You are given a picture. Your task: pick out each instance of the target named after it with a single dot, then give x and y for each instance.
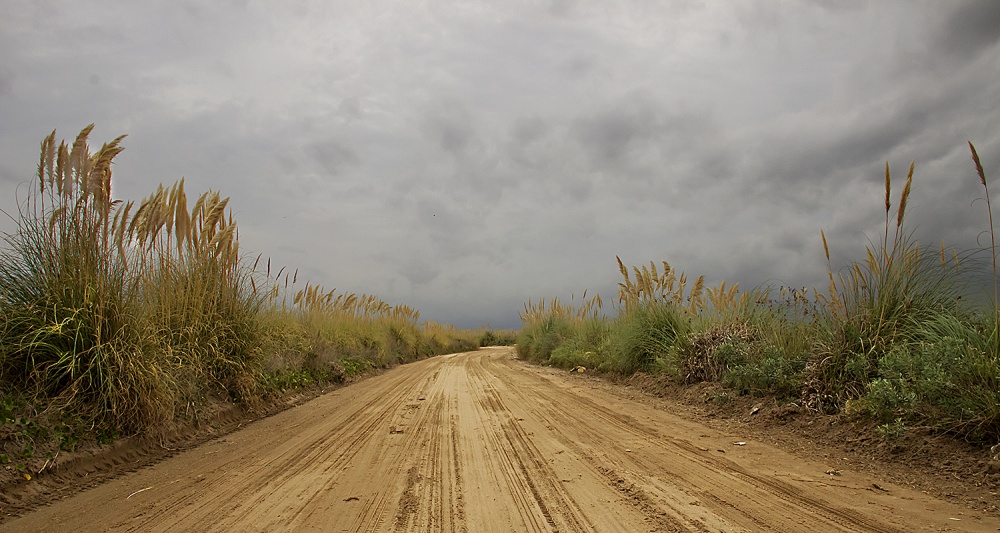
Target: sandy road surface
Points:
(482, 442)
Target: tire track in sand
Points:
(483, 443)
(684, 476)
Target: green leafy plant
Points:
(898, 336)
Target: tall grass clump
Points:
(902, 343)
(585, 346)
(317, 335)
(653, 311)
(901, 298)
(122, 317)
(494, 337)
(898, 335)
(546, 326)
(68, 284)
(199, 302)
(745, 339)
(777, 329)
(119, 311)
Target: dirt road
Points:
(482, 442)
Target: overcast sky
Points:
(463, 157)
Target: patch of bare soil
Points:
(92, 464)
(483, 442)
(917, 457)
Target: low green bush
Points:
(899, 337)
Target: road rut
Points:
(481, 442)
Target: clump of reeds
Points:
(330, 334)
(895, 336)
(666, 287)
(199, 301)
(496, 337)
(993, 245)
(125, 316)
(67, 289)
(545, 325)
(123, 311)
(891, 297)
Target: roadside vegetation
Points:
(897, 336)
(497, 337)
(121, 318)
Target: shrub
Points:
(536, 343)
(708, 355)
(492, 337)
(898, 336)
(69, 285)
(947, 383)
(893, 298)
(773, 373)
(643, 334)
(587, 347)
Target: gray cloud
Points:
(350, 107)
(332, 156)
(612, 135)
(449, 123)
(526, 130)
(463, 158)
(6, 81)
(419, 271)
(971, 28)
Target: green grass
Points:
(897, 336)
(126, 317)
(493, 337)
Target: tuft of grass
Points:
(644, 333)
(899, 295)
(897, 336)
(68, 289)
(548, 325)
(123, 317)
(492, 337)
(587, 346)
(981, 174)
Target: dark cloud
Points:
(634, 123)
(332, 156)
(830, 147)
(6, 81)
(561, 8)
(463, 159)
(450, 125)
(842, 5)
(970, 28)
(419, 271)
(578, 66)
(526, 130)
(8, 177)
(610, 136)
(577, 189)
(350, 107)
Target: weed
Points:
(772, 374)
(120, 316)
(719, 397)
(491, 337)
(894, 430)
(897, 335)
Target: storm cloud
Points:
(463, 157)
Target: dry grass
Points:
(665, 287)
(895, 333)
(126, 316)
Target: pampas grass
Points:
(893, 326)
(130, 315)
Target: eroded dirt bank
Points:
(482, 442)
